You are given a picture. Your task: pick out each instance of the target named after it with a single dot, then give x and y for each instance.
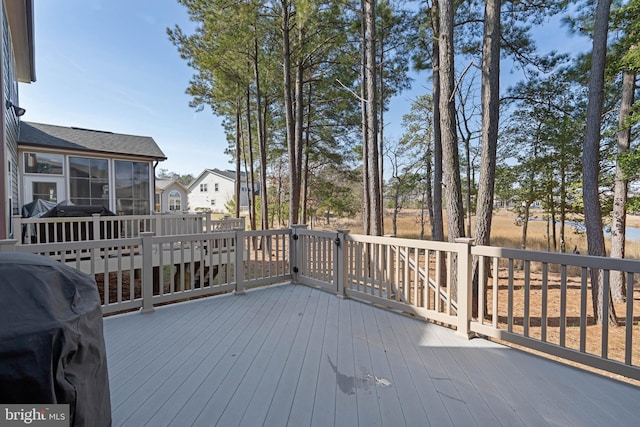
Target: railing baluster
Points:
(118, 254)
(450, 283)
(481, 289)
(628, 324)
(427, 274)
(510, 298)
(583, 310)
(563, 305)
(605, 314)
(544, 302)
(416, 277)
(437, 300)
(358, 261)
(406, 283)
(527, 302)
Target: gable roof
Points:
(87, 140)
(164, 184)
(227, 174)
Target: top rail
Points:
(96, 227)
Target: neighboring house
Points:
(171, 196)
(88, 167)
(17, 65)
(213, 189)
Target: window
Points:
(203, 188)
(45, 191)
(213, 202)
(175, 201)
(132, 188)
(216, 187)
(44, 163)
(89, 181)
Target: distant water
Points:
(632, 233)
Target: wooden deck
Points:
(293, 355)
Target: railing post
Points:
(295, 251)
(159, 225)
(464, 279)
(95, 219)
(207, 222)
(147, 272)
(239, 261)
(8, 245)
(16, 226)
(340, 263)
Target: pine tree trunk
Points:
(490, 116)
(262, 142)
(437, 221)
(372, 120)
(450, 155)
(294, 185)
(251, 196)
(299, 126)
(238, 155)
(591, 161)
(619, 214)
(366, 203)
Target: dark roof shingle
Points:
(71, 138)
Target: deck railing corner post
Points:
(147, 272)
(464, 284)
(16, 226)
(8, 245)
(341, 263)
(295, 255)
(239, 261)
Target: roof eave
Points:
(20, 18)
(22, 144)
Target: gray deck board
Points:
(344, 370)
(324, 403)
(293, 355)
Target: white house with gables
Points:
(171, 196)
(214, 188)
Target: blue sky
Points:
(109, 65)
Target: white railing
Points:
(96, 227)
(554, 311)
(529, 306)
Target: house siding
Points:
(164, 198)
(11, 122)
(211, 199)
(217, 201)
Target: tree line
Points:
(304, 86)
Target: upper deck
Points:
(294, 355)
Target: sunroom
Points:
(87, 167)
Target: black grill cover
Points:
(51, 341)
